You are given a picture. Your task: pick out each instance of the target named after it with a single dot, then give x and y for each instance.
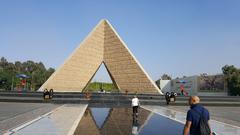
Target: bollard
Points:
(170, 97)
(50, 93)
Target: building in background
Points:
(203, 85)
(164, 85)
(189, 85)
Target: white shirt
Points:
(134, 130)
(135, 102)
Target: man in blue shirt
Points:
(193, 116)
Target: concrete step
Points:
(115, 101)
(116, 96)
(23, 99)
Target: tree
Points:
(3, 62)
(49, 72)
(18, 66)
(166, 77)
(232, 77)
(5, 80)
(36, 71)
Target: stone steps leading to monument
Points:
(116, 100)
(116, 96)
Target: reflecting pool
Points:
(119, 121)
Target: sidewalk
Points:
(219, 127)
(61, 121)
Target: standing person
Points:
(135, 105)
(182, 89)
(197, 119)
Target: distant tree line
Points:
(232, 77)
(36, 72)
(166, 77)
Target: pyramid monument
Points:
(102, 45)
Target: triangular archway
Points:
(102, 45)
(101, 78)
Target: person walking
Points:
(135, 105)
(197, 121)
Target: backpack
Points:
(204, 128)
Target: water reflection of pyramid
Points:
(100, 115)
(102, 45)
(118, 122)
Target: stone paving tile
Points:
(220, 128)
(229, 115)
(61, 121)
(14, 114)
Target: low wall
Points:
(212, 93)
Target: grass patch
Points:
(96, 86)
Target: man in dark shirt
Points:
(193, 116)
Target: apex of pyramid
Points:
(104, 20)
(103, 23)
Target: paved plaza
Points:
(61, 121)
(68, 119)
(229, 115)
(14, 114)
(219, 127)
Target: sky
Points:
(177, 37)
